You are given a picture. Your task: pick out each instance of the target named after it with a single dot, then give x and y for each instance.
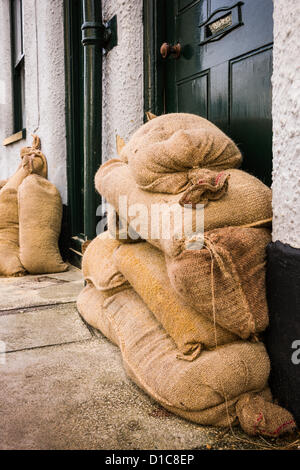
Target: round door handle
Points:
(166, 50)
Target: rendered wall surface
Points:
(286, 119)
(45, 82)
(123, 102)
(44, 87)
(6, 118)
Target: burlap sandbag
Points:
(247, 201)
(145, 269)
(167, 151)
(33, 158)
(258, 416)
(40, 215)
(10, 264)
(33, 161)
(98, 267)
(205, 390)
(2, 183)
(225, 280)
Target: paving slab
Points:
(47, 289)
(42, 327)
(77, 396)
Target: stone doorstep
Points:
(42, 326)
(30, 291)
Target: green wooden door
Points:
(224, 71)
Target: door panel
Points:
(184, 3)
(224, 71)
(187, 33)
(192, 95)
(250, 119)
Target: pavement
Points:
(62, 384)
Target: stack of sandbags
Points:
(186, 308)
(221, 272)
(221, 386)
(30, 218)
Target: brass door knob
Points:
(166, 50)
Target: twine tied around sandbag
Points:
(212, 252)
(205, 185)
(222, 256)
(29, 154)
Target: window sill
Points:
(14, 138)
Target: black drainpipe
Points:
(92, 40)
(95, 37)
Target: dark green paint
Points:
(18, 64)
(93, 33)
(154, 67)
(74, 124)
(85, 38)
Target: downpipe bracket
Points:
(104, 35)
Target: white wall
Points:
(123, 102)
(44, 87)
(286, 122)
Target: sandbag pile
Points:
(30, 218)
(186, 310)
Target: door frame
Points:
(154, 19)
(74, 143)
